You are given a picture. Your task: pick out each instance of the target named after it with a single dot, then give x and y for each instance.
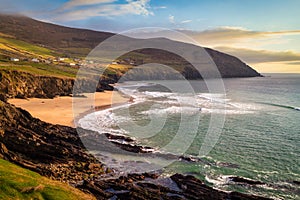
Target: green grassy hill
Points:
(19, 183)
(11, 47)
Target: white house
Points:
(35, 60)
(15, 59)
(72, 64)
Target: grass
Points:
(11, 47)
(19, 183)
(23, 48)
(41, 69)
(78, 52)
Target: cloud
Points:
(76, 3)
(171, 19)
(159, 7)
(253, 47)
(79, 10)
(236, 35)
(261, 56)
(226, 32)
(276, 67)
(293, 63)
(178, 23)
(186, 21)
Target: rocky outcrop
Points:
(18, 84)
(24, 85)
(144, 187)
(193, 188)
(51, 150)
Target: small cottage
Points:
(15, 59)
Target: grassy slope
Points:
(19, 183)
(12, 47)
(41, 69)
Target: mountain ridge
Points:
(73, 42)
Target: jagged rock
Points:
(3, 97)
(242, 180)
(51, 150)
(195, 189)
(118, 137)
(95, 190)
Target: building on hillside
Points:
(72, 64)
(35, 60)
(15, 59)
(115, 63)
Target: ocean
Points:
(250, 131)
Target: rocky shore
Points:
(57, 152)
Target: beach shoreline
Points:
(59, 110)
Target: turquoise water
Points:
(260, 138)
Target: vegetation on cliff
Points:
(19, 183)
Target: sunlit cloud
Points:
(75, 3)
(238, 36)
(79, 10)
(294, 63)
(254, 47)
(276, 67)
(260, 56)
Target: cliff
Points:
(25, 85)
(18, 84)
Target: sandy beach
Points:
(60, 109)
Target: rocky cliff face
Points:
(24, 85)
(51, 150)
(18, 84)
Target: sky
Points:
(265, 34)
